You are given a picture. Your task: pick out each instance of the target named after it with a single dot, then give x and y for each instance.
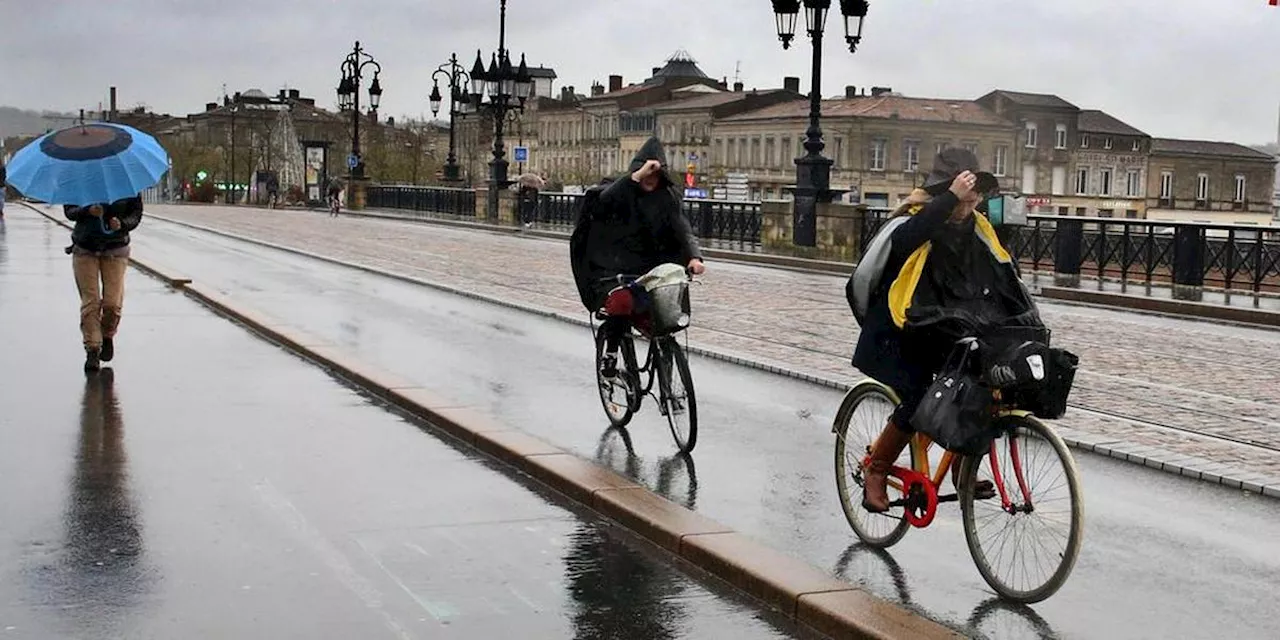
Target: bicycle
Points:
(915, 491)
(623, 395)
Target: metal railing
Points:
(719, 223)
(445, 200)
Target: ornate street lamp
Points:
(506, 88)
(813, 171)
(459, 99)
(349, 98)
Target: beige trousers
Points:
(100, 280)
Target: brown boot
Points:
(875, 490)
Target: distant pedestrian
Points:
(99, 257)
(273, 191)
(3, 187)
(335, 197)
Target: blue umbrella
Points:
(88, 164)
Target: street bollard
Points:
(1068, 253)
(1188, 263)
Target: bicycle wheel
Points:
(675, 389)
(616, 394)
(1024, 551)
(862, 416)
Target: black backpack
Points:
(587, 211)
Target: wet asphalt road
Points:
(1163, 556)
(208, 484)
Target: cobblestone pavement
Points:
(1187, 390)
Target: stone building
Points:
(882, 145)
(1108, 170)
(1211, 182)
(1048, 133)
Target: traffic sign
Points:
(352, 161)
(521, 154)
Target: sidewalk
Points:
(1194, 397)
(208, 484)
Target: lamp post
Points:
(515, 120)
(349, 98)
(458, 79)
(507, 88)
(813, 171)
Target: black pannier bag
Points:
(956, 409)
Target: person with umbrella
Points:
(97, 172)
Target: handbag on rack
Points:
(956, 409)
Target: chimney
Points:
(615, 83)
(112, 117)
(656, 70)
(295, 94)
(850, 91)
(791, 83)
(597, 89)
(876, 92)
(210, 106)
(283, 93)
(737, 87)
(723, 84)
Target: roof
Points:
(1039, 100)
(680, 65)
(705, 101)
(542, 72)
(1095, 121)
(904, 108)
(1207, 148)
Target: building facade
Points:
(1210, 182)
(1108, 170)
(882, 145)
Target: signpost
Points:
(521, 154)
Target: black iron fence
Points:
(445, 200)
(1130, 252)
(724, 224)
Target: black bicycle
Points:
(664, 361)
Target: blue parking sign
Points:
(521, 154)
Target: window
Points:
(1084, 141)
(877, 155)
(1240, 185)
(1137, 145)
(731, 158)
(1133, 184)
(1082, 181)
(999, 167)
(756, 157)
(971, 147)
(744, 153)
(1104, 182)
(1131, 214)
(1106, 143)
(1059, 187)
(1166, 185)
(771, 152)
(838, 157)
(1202, 187)
(942, 146)
(784, 149)
(1028, 178)
(911, 156)
(1060, 140)
(1106, 213)
(1032, 135)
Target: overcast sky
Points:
(1174, 68)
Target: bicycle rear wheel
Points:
(616, 395)
(862, 416)
(1026, 549)
(675, 389)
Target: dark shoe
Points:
(982, 489)
(875, 479)
(108, 350)
(92, 361)
(609, 367)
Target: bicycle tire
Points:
(623, 417)
(969, 471)
(680, 363)
(851, 501)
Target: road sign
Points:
(352, 161)
(521, 154)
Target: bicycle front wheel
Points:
(1026, 539)
(676, 394)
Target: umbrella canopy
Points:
(88, 164)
